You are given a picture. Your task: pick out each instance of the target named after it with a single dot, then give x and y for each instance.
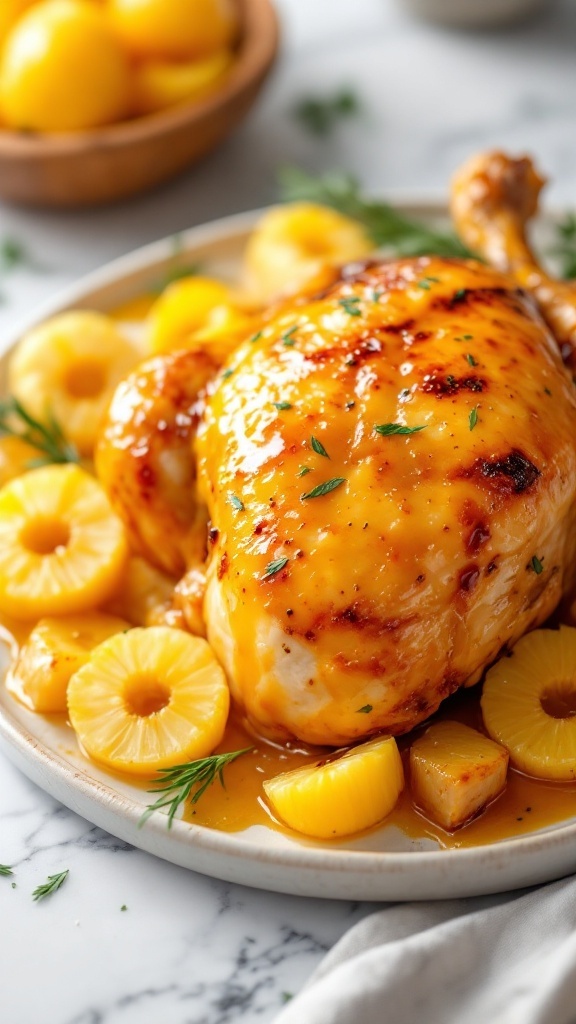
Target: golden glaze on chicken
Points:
(437, 548)
(145, 461)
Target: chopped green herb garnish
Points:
(188, 781)
(365, 710)
(286, 996)
(236, 502)
(282, 406)
(321, 489)
(226, 374)
(256, 337)
(123, 907)
(288, 336)
(470, 359)
(320, 116)
(376, 295)
(460, 295)
(427, 281)
(387, 227)
(273, 567)
(473, 418)
(350, 305)
(46, 437)
(318, 447)
(389, 429)
(53, 883)
(536, 565)
(468, 337)
(5, 870)
(303, 471)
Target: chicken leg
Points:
(493, 198)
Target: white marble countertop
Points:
(189, 950)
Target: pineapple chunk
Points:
(69, 366)
(182, 309)
(292, 244)
(55, 649)
(143, 591)
(149, 699)
(529, 703)
(346, 793)
(62, 549)
(455, 772)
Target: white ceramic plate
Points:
(385, 865)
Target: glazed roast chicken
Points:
(389, 472)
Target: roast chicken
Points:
(388, 475)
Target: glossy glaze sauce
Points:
(525, 805)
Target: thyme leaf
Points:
(318, 447)
(536, 565)
(236, 502)
(473, 418)
(389, 429)
(273, 567)
(321, 489)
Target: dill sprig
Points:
(387, 227)
(16, 421)
(188, 781)
(53, 883)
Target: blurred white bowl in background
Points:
(474, 13)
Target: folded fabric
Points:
(508, 959)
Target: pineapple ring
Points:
(68, 367)
(529, 703)
(342, 795)
(294, 243)
(62, 549)
(54, 651)
(149, 699)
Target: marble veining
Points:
(188, 949)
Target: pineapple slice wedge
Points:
(343, 794)
(529, 703)
(455, 772)
(54, 651)
(149, 699)
(62, 549)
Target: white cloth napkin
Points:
(507, 959)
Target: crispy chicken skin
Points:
(439, 547)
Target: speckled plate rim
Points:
(302, 868)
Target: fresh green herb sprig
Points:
(47, 438)
(188, 781)
(324, 488)
(536, 565)
(5, 870)
(564, 248)
(273, 567)
(53, 883)
(387, 227)
(321, 115)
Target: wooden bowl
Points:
(120, 160)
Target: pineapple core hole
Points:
(559, 700)
(85, 379)
(145, 696)
(45, 535)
